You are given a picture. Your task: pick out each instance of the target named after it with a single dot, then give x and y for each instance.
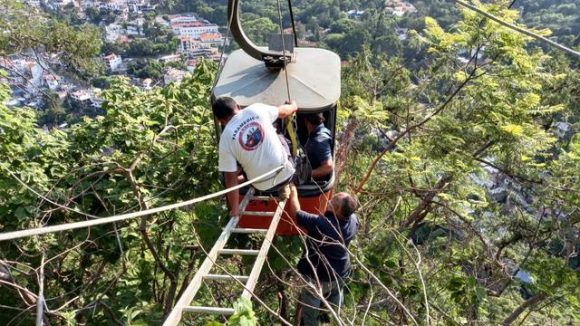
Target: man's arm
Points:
(307, 220)
(323, 170)
(233, 197)
(286, 110)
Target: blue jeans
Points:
(311, 301)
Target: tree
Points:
(26, 29)
(151, 148)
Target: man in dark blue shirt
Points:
(325, 263)
(318, 147)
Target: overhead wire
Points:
(105, 220)
(519, 29)
(291, 11)
(224, 44)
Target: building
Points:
(170, 58)
(24, 73)
(191, 26)
(211, 39)
(355, 14)
(81, 96)
(113, 32)
(51, 81)
(173, 75)
(113, 62)
(399, 7)
(135, 27)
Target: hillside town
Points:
(178, 42)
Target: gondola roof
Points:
(314, 81)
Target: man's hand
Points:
(286, 110)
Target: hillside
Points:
(458, 137)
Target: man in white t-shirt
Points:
(250, 139)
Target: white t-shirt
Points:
(250, 138)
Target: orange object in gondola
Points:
(267, 75)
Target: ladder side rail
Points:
(174, 318)
(257, 269)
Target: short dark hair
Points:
(348, 205)
(314, 118)
(223, 107)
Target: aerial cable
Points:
(224, 44)
(519, 29)
(289, 121)
(293, 22)
(117, 218)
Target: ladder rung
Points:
(258, 213)
(262, 198)
(246, 231)
(223, 277)
(209, 310)
(248, 252)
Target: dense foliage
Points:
(460, 142)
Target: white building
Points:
(113, 62)
(191, 26)
(355, 14)
(81, 96)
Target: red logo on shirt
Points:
(251, 136)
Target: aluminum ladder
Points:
(183, 304)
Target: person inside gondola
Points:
(318, 147)
(249, 138)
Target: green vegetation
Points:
(26, 29)
(450, 137)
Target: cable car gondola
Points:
(270, 75)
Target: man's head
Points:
(314, 119)
(343, 205)
(224, 108)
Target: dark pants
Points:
(311, 301)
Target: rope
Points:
(519, 29)
(289, 125)
(117, 218)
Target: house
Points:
(113, 62)
(51, 81)
(355, 14)
(81, 96)
(135, 27)
(399, 7)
